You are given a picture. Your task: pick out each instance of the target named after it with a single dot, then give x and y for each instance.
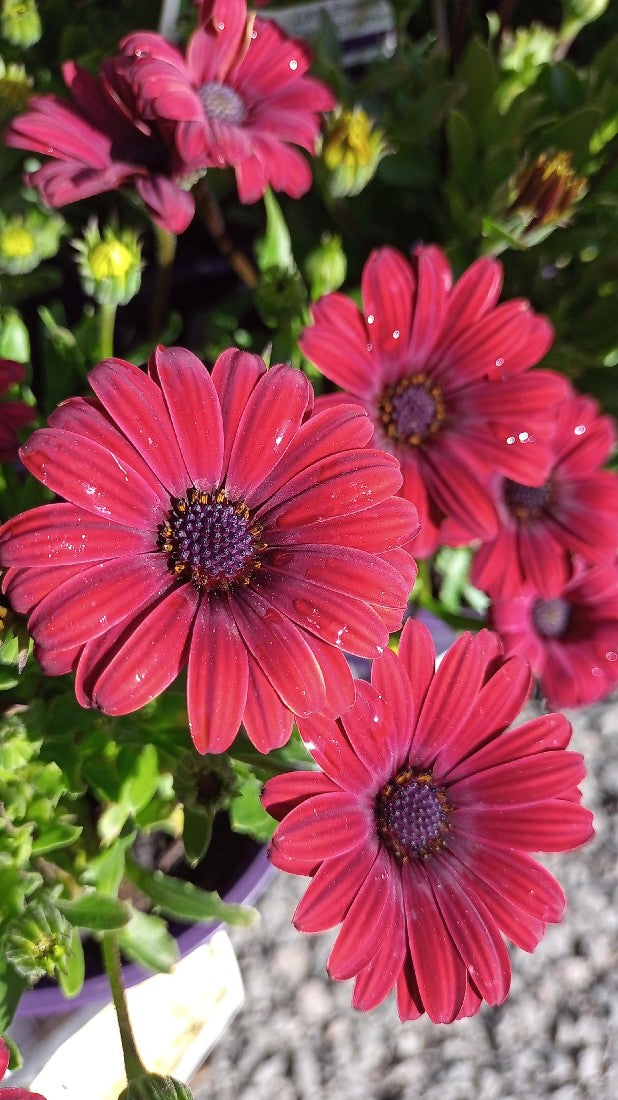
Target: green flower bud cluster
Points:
(27, 238)
(38, 942)
(15, 89)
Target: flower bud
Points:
(351, 151)
(38, 941)
(15, 89)
(153, 1086)
(20, 23)
(110, 266)
(326, 267)
(547, 190)
(28, 238)
(280, 296)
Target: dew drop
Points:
(611, 655)
(596, 671)
(523, 437)
(510, 439)
(293, 65)
(396, 334)
(221, 26)
(580, 429)
(499, 361)
(369, 347)
(370, 318)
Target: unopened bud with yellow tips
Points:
(15, 89)
(352, 148)
(27, 238)
(546, 191)
(20, 22)
(38, 942)
(110, 265)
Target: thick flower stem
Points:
(111, 960)
(210, 213)
(166, 251)
(107, 322)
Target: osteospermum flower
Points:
(100, 143)
(210, 522)
(570, 638)
(575, 511)
(13, 1093)
(238, 97)
(417, 830)
(13, 414)
(442, 371)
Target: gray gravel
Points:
(297, 1038)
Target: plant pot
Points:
(249, 880)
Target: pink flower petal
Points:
(281, 650)
(362, 931)
(235, 375)
(194, 409)
(409, 1001)
(149, 657)
(515, 875)
(217, 657)
(433, 277)
(474, 294)
(57, 662)
(365, 726)
(342, 569)
(529, 779)
(98, 597)
(545, 733)
(439, 970)
(322, 827)
(267, 427)
(390, 679)
(388, 524)
(375, 981)
(136, 404)
(331, 750)
(92, 479)
(24, 588)
(335, 885)
(283, 792)
(338, 343)
(555, 825)
(61, 534)
(389, 290)
(474, 933)
(340, 693)
(267, 720)
(449, 699)
(418, 656)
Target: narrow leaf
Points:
(95, 911)
(185, 901)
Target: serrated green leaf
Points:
(95, 911)
(57, 835)
(105, 870)
(71, 979)
(247, 813)
(12, 985)
(146, 941)
(185, 901)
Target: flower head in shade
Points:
(210, 521)
(13, 414)
(442, 371)
(100, 143)
(417, 830)
(575, 511)
(13, 1093)
(570, 638)
(239, 97)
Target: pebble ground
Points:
(297, 1038)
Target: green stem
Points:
(210, 212)
(166, 251)
(111, 960)
(107, 322)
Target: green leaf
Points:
(15, 1058)
(146, 941)
(95, 911)
(12, 985)
(247, 813)
(196, 833)
(105, 870)
(71, 979)
(185, 901)
(58, 834)
(275, 248)
(462, 148)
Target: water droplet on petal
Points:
(596, 671)
(370, 318)
(611, 655)
(523, 437)
(510, 439)
(221, 26)
(499, 361)
(369, 347)
(396, 334)
(579, 429)
(293, 65)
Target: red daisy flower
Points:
(100, 143)
(575, 511)
(239, 97)
(8, 1093)
(440, 369)
(13, 414)
(417, 830)
(211, 521)
(570, 637)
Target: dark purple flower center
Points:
(222, 102)
(211, 541)
(411, 409)
(412, 815)
(526, 501)
(551, 617)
